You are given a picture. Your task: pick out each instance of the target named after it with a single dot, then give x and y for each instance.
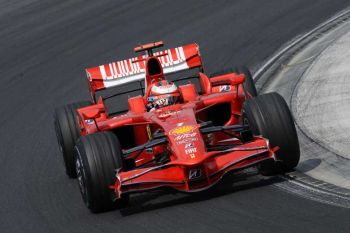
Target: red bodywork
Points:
(191, 165)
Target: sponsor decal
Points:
(167, 114)
(191, 151)
(225, 88)
(189, 145)
(184, 136)
(186, 140)
(89, 121)
(194, 174)
(185, 129)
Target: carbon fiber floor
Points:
(44, 46)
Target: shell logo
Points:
(182, 130)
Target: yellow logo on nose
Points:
(182, 130)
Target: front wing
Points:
(194, 176)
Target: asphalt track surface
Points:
(44, 47)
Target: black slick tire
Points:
(268, 115)
(67, 132)
(98, 158)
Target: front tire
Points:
(98, 157)
(268, 115)
(67, 132)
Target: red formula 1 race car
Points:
(150, 126)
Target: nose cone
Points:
(187, 143)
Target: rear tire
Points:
(67, 132)
(98, 157)
(268, 115)
(248, 85)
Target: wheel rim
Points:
(81, 177)
(78, 168)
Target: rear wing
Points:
(133, 69)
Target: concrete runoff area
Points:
(322, 103)
(316, 82)
(322, 100)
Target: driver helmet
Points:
(163, 93)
